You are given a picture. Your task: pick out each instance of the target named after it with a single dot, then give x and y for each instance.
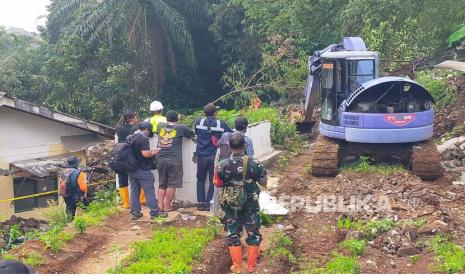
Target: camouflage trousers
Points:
(236, 220)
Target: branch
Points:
(240, 90)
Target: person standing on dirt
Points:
(124, 128)
(239, 176)
(169, 163)
(209, 131)
(142, 178)
(240, 126)
(73, 186)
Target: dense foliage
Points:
(95, 58)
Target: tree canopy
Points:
(95, 58)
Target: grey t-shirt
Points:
(170, 139)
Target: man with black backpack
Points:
(73, 186)
(142, 177)
(238, 176)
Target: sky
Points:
(23, 13)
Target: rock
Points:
(136, 228)
(370, 262)
(339, 178)
(412, 235)
(428, 210)
(439, 224)
(289, 228)
(393, 264)
(280, 227)
(407, 250)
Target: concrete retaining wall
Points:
(260, 133)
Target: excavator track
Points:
(426, 161)
(325, 157)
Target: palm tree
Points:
(153, 27)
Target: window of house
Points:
(24, 186)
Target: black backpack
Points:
(122, 158)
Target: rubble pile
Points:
(97, 162)
(453, 154)
(25, 226)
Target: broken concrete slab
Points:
(270, 206)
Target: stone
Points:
(407, 250)
(136, 228)
(289, 228)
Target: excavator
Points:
(389, 119)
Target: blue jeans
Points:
(205, 164)
(141, 179)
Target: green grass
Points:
(280, 248)
(54, 214)
(55, 238)
(34, 259)
(103, 206)
(449, 257)
(365, 166)
(171, 250)
(415, 258)
(368, 229)
(354, 246)
(338, 264)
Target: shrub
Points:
(80, 224)
(54, 214)
(55, 238)
(356, 247)
(443, 93)
(280, 247)
(449, 257)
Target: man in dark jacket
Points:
(123, 130)
(209, 131)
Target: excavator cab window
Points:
(360, 71)
(328, 92)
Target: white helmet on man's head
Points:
(156, 106)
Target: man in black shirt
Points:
(143, 177)
(123, 130)
(169, 165)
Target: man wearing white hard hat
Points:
(156, 108)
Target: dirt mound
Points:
(419, 209)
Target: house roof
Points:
(9, 101)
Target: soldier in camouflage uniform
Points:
(239, 202)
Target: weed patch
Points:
(34, 259)
(280, 248)
(171, 250)
(55, 238)
(338, 264)
(368, 229)
(355, 247)
(449, 257)
(365, 165)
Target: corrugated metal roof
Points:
(15, 103)
(43, 167)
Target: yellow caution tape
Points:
(50, 192)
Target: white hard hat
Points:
(156, 106)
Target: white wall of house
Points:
(23, 137)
